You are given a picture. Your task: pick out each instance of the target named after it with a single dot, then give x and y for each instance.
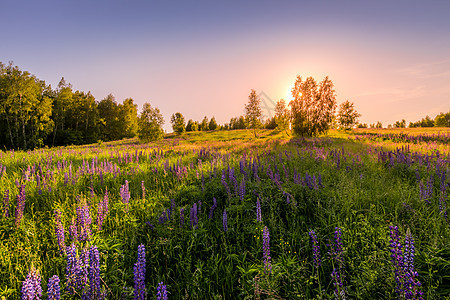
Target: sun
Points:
(288, 95)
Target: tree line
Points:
(32, 114)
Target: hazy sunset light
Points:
(183, 56)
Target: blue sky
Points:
(391, 58)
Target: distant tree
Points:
(313, 106)
(195, 126)
(347, 115)
(253, 112)
(204, 126)
(379, 125)
(241, 123)
(427, 122)
(178, 123)
(150, 124)
(389, 126)
(189, 125)
(270, 123)
(62, 102)
(128, 118)
(282, 116)
(213, 124)
(361, 125)
(442, 120)
(25, 106)
(109, 113)
(400, 124)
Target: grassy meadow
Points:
(223, 215)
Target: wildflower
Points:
(73, 270)
(31, 288)
(411, 283)
(59, 231)
(213, 207)
(161, 291)
(143, 189)
(125, 194)
(266, 251)
(225, 220)
(84, 222)
(94, 274)
(181, 217)
(316, 249)
(102, 210)
(20, 204)
(53, 290)
(73, 232)
(337, 257)
(397, 259)
(193, 217)
(139, 274)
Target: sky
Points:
(202, 58)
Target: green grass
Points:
(363, 197)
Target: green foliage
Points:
(442, 120)
(178, 123)
(204, 126)
(282, 116)
(253, 112)
(150, 124)
(313, 107)
(347, 115)
(425, 122)
(32, 114)
(400, 124)
(192, 125)
(213, 124)
(237, 123)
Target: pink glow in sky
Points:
(391, 58)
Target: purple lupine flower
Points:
(161, 293)
(336, 254)
(125, 194)
(73, 270)
(102, 210)
(59, 231)
(411, 284)
(53, 289)
(139, 274)
(193, 216)
(213, 207)
(181, 217)
(73, 231)
(31, 288)
(20, 205)
(225, 220)
(316, 250)
(266, 251)
(84, 222)
(258, 211)
(94, 274)
(6, 204)
(397, 259)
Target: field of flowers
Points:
(221, 215)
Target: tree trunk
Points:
(9, 130)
